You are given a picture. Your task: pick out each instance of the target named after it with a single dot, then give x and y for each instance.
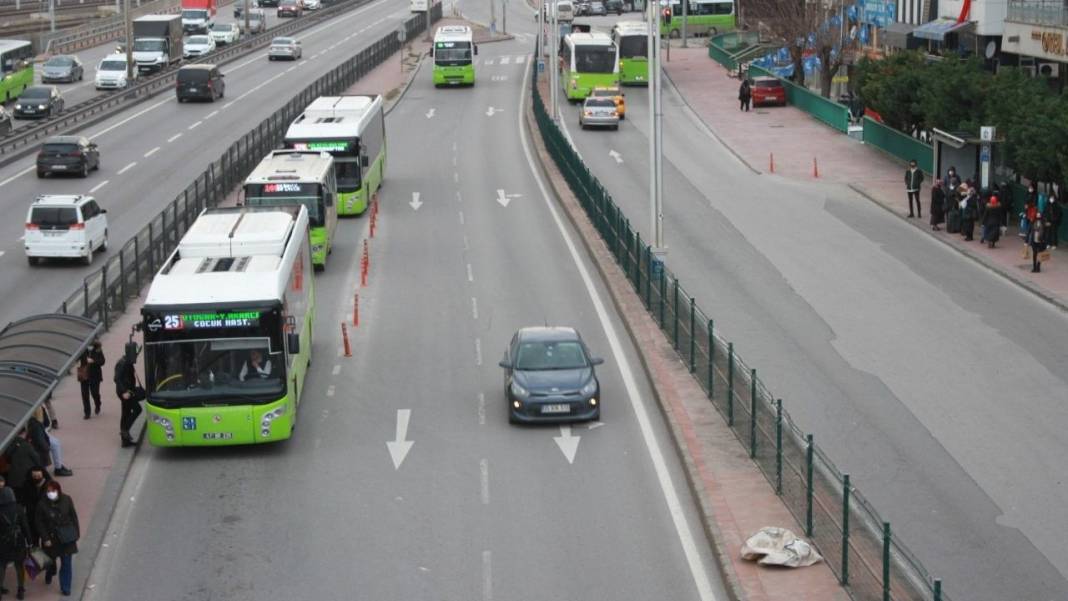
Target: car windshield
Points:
(552, 354)
(113, 65)
(220, 27)
(36, 93)
(197, 40)
(148, 45)
(282, 42)
(217, 368)
(54, 216)
(194, 14)
(60, 61)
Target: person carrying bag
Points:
(57, 521)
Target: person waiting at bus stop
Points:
(129, 392)
(255, 366)
(57, 523)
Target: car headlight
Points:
(18, 106)
(589, 388)
(41, 106)
(518, 390)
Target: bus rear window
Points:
(633, 45)
(595, 60)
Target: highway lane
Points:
(478, 509)
(937, 384)
(150, 154)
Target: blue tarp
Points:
(936, 30)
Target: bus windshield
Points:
(194, 372)
(633, 46)
(288, 193)
(452, 54)
(595, 59)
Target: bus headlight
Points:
(317, 248)
(270, 416)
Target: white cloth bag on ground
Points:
(772, 546)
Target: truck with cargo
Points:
(198, 15)
(157, 42)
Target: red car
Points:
(768, 90)
(289, 8)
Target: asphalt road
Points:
(151, 152)
(477, 509)
(938, 385)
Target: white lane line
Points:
(461, 218)
(173, 138)
(487, 576)
(302, 62)
(638, 404)
(459, 197)
(470, 273)
(211, 114)
(98, 186)
(152, 152)
(483, 471)
(455, 177)
(18, 175)
(505, 60)
(330, 390)
(478, 351)
(195, 125)
(481, 409)
(259, 86)
(466, 247)
(290, 69)
(130, 118)
(474, 307)
(337, 370)
(2, 253)
(126, 168)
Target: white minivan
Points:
(70, 226)
(565, 11)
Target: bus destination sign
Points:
(325, 145)
(197, 321)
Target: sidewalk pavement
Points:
(734, 498)
(797, 139)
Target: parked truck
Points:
(157, 42)
(198, 15)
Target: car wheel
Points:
(32, 261)
(270, 58)
(88, 259)
(104, 245)
(41, 174)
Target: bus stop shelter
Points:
(35, 353)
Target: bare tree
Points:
(804, 24)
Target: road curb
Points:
(979, 260)
(407, 84)
(612, 276)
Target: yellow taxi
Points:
(615, 94)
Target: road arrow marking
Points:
(398, 449)
(492, 111)
(615, 155)
(568, 444)
(430, 114)
(415, 204)
(504, 199)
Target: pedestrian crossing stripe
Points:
(489, 61)
(519, 59)
(505, 59)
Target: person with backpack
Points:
(57, 523)
(129, 392)
(14, 538)
(90, 375)
(20, 459)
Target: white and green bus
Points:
(16, 64)
(227, 329)
(632, 39)
(353, 130)
(299, 177)
(454, 53)
(588, 61)
(704, 17)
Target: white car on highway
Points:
(198, 45)
(65, 226)
(111, 73)
(225, 33)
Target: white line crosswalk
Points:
(504, 60)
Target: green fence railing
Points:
(898, 144)
(726, 47)
(871, 564)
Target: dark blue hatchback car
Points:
(549, 376)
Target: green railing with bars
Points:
(870, 563)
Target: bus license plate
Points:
(218, 435)
(556, 408)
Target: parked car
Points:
(270, 3)
(68, 154)
(225, 33)
(199, 45)
(614, 6)
(582, 8)
(768, 90)
(62, 68)
(111, 73)
(38, 102)
(599, 112)
(200, 82)
(287, 48)
(69, 226)
(616, 95)
(549, 376)
(7, 123)
(239, 7)
(257, 22)
(289, 8)
(597, 9)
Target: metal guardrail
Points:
(858, 545)
(104, 292)
(22, 141)
(102, 30)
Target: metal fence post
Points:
(730, 384)
(104, 295)
(845, 529)
(809, 492)
(663, 295)
(637, 262)
(937, 589)
(693, 334)
(675, 313)
(137, 261)
(778, 447)
(85, 296)
(122, 277)
(886, 561)
(752, 413)
(151, 248)
(711, 363)
(649, 277)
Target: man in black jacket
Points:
(913, 181)
(125, 387)
(90, 366)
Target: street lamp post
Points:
(248, 29)
(656, 167)
(554, 62)
(130, 66)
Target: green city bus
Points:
(227, 329)
(632, 39)
(704, 17)
(588, 61)
(16, 64)
(353, 130)
(453, 51)
(304, 177)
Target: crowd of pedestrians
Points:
(39, 527)
(961, 206)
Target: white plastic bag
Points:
(771, 546)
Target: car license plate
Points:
(218, 436)
(59, 167)
(556, 408)
(192, 90)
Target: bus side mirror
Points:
(476, 50)
(365, 161)
(329, 199)
(293, 342)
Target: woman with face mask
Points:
(57, 524)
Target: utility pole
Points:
(248, 29)
(554, 60)
(430, 7)
(130, 66)
(504, 17)
(685, 18)
(656, 167)
(52, 14)
(493, 17)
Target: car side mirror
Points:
(504, 364)
(293, 342)
(596, 361)
(103, 210)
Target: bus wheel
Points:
(674, 34)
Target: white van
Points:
(65, 226)
(565, 11)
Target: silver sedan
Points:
(288, 48)
(599, 112)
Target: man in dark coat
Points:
(969, 212)
(14, 538)
(32, 492)
(745, 94)
(20, 458)
(125, 385)
(57, 523)
(91, 364)
(913, 181)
